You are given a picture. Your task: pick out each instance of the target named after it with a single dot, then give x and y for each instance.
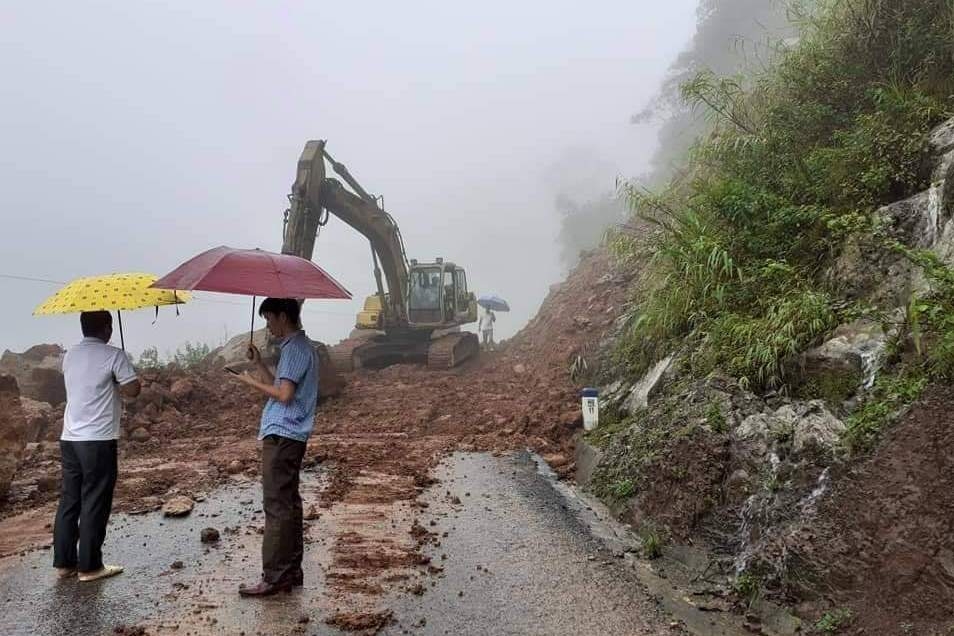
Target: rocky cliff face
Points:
(38, 372)
(13, 431)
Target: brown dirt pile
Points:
(883, 541)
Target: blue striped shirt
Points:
(299, 364)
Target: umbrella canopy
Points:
(493, 302)
(111, 292)
(254, 273)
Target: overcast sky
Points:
(137, 134)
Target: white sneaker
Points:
(103, 573)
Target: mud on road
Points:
(378, 443)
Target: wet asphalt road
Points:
(516, 560)
(519, 561)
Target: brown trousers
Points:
(283, 544)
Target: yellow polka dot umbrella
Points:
(111, 292)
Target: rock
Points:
(817, 428)
(805, 424)
(39, 416)
(235, 466)
(178, 506)
(942, 137)
(519, 369)
(639, 395)
(232, 353)
(140, 435)
(738, 486)
(181, 389)
(209, 535)
(13, 432)
(177, 565)
(849, 360)
(38, 372)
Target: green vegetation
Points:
(149, 359)
(748, 587)
(652, 542)
(799, 158)
(187, 356)
(715, 419)
(891, 393)
(834, 621)
(622, 489)
(611, 425)
(190, 355)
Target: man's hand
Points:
(284, 392)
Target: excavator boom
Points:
(313, 192)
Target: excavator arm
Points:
(314, 195)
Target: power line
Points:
(32, 279)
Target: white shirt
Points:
(93, 372)
(486, 322)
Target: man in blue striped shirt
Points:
(287, 420)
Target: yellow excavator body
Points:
(370, 316)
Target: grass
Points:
(891, 394)
(834, 621)
(652, 542)
(611, 424)
(748, 587)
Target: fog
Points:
(135, 135)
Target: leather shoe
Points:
(263, 588)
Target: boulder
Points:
(209, 535)
(38, 372)
(232, 353)
(13, 432)
(807, 425)
(178, 506)
(849, 360)
(140, 435)
(39, 418)
(181, 389)
(643, 390)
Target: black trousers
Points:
(283, 543)
(86, 499)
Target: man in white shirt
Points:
(96, 375)
(486, 327)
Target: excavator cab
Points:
(438, 296)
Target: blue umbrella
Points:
(493, 302)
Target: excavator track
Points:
(449, 350)
(342, 354)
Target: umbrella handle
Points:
(251, 329)
(122, 341)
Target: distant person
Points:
(287, 420)
(96, 375)
(486, 327)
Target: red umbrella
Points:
(254, 273)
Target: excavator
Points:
(418, 309)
